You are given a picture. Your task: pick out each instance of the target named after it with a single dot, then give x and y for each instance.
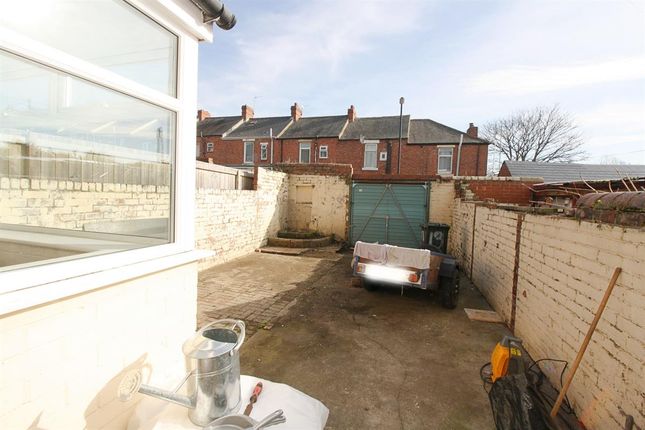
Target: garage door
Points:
(389, 213)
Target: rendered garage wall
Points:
(442, 198)
(91, 340)
(319, 203)
(563, 270)
(234, 223)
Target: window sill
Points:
(374, 169)
(43, 291)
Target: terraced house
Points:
(374, 146)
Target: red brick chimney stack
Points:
(247, 112)
(296, 112)
(472, 131)
(351, 114)
(202, 115)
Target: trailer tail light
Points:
(413, 277)
(360, 268)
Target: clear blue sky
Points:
(454, 61)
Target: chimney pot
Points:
(247, 112)
(351, 113)
(472, 131)
(296, 112)
(202, 115)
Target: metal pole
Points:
(401, 101)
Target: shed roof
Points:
(572, 172)
(216, 126)
(382, 127)
(312, 127)
(256, 128)
(427, 131)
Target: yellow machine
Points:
(506, 358)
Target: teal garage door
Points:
(389, 213)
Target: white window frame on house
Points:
(440, 156)
(372, 147)
(323, 152)
(38, 284)
(249, 148)
(304, 145)
(209, 146)
(264, 151)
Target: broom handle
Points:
(592, 328)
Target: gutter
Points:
(215, 11)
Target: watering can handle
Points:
(240, 340)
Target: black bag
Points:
(514, 408)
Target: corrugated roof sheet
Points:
(383, 127)
(322, 126)
(256, 128)
(431, 132)
(216, 126)
(570, 172)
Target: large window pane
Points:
(109, 33)
(83, 169)
(369, 161)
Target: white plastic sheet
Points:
(302, 411)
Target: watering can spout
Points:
(169, 396)
(131, 384)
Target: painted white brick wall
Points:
(564, 269)
(234, 223)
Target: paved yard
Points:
(376, 359)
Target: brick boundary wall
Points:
(559, 268)
(499, 189)
(326, 169)
(234, 223)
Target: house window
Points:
(323, 152)
(264, 151)
(209, 147)
(445, 160)
(88, 139)
(248, 152)
(305, 152)
(369, 157)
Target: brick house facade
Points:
(370, 145)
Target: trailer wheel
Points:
(369, 285)
(449, 290)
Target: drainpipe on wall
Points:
(461, 140)
(401, 101)
(271, 137)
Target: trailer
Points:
(374, 264)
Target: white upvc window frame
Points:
(372, 144)
(31, 286)
(439, 157)
(324, 148)
(304, 144)
(264, 151)
(249, 144)
(210, 146)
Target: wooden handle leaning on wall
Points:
(585, 343)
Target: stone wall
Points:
(562, 267)
(234, 223)
(61, 363)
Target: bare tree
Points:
(539, 134)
